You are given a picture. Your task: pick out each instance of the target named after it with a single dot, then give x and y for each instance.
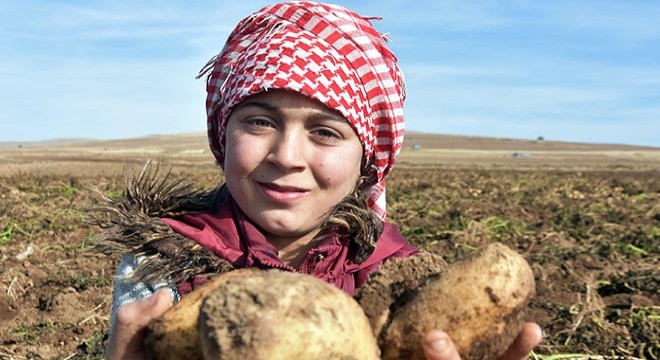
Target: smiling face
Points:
(288, 161)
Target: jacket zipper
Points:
(287, 267)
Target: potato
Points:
(257, 314)
(174, 335)
(283, 315)
(478, 301)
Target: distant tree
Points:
(540, 138)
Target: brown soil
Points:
(590, 230)
(392, 283)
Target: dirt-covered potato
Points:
(478, 301)
(282, 315)
(174, 335)
(257, 314)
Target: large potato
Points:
(283, 315)
(174, 335)
(478, 301)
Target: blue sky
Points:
(585, 71)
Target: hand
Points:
(127, 340)
(438, 346)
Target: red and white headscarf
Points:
(327, 53)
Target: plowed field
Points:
(591, 234)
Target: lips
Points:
(282, 188)
(282, 193)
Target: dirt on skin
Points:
(592, 239)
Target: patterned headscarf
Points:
(327, 53)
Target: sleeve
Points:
(126, 290)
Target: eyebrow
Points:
(273, 108)
(259, 104)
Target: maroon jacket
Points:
(232, 236)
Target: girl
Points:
(305, 115)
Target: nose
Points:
(287, 151)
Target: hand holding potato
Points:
(127, 340)
(438, 346)
(258, 314)
(478, 301)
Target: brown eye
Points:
(327, 134)
(259, 122)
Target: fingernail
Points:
(153, 299)
(439, 345)
(438, 342)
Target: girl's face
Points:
(288, 161)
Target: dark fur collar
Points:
(131, 224)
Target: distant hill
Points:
(84, 156)
(43, 143)
(461, 142)
(197, 141)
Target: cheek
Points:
(230, 153)
(237, 159)
(341, 171)
(239, 150)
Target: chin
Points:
(287, 230)
(285, 223)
